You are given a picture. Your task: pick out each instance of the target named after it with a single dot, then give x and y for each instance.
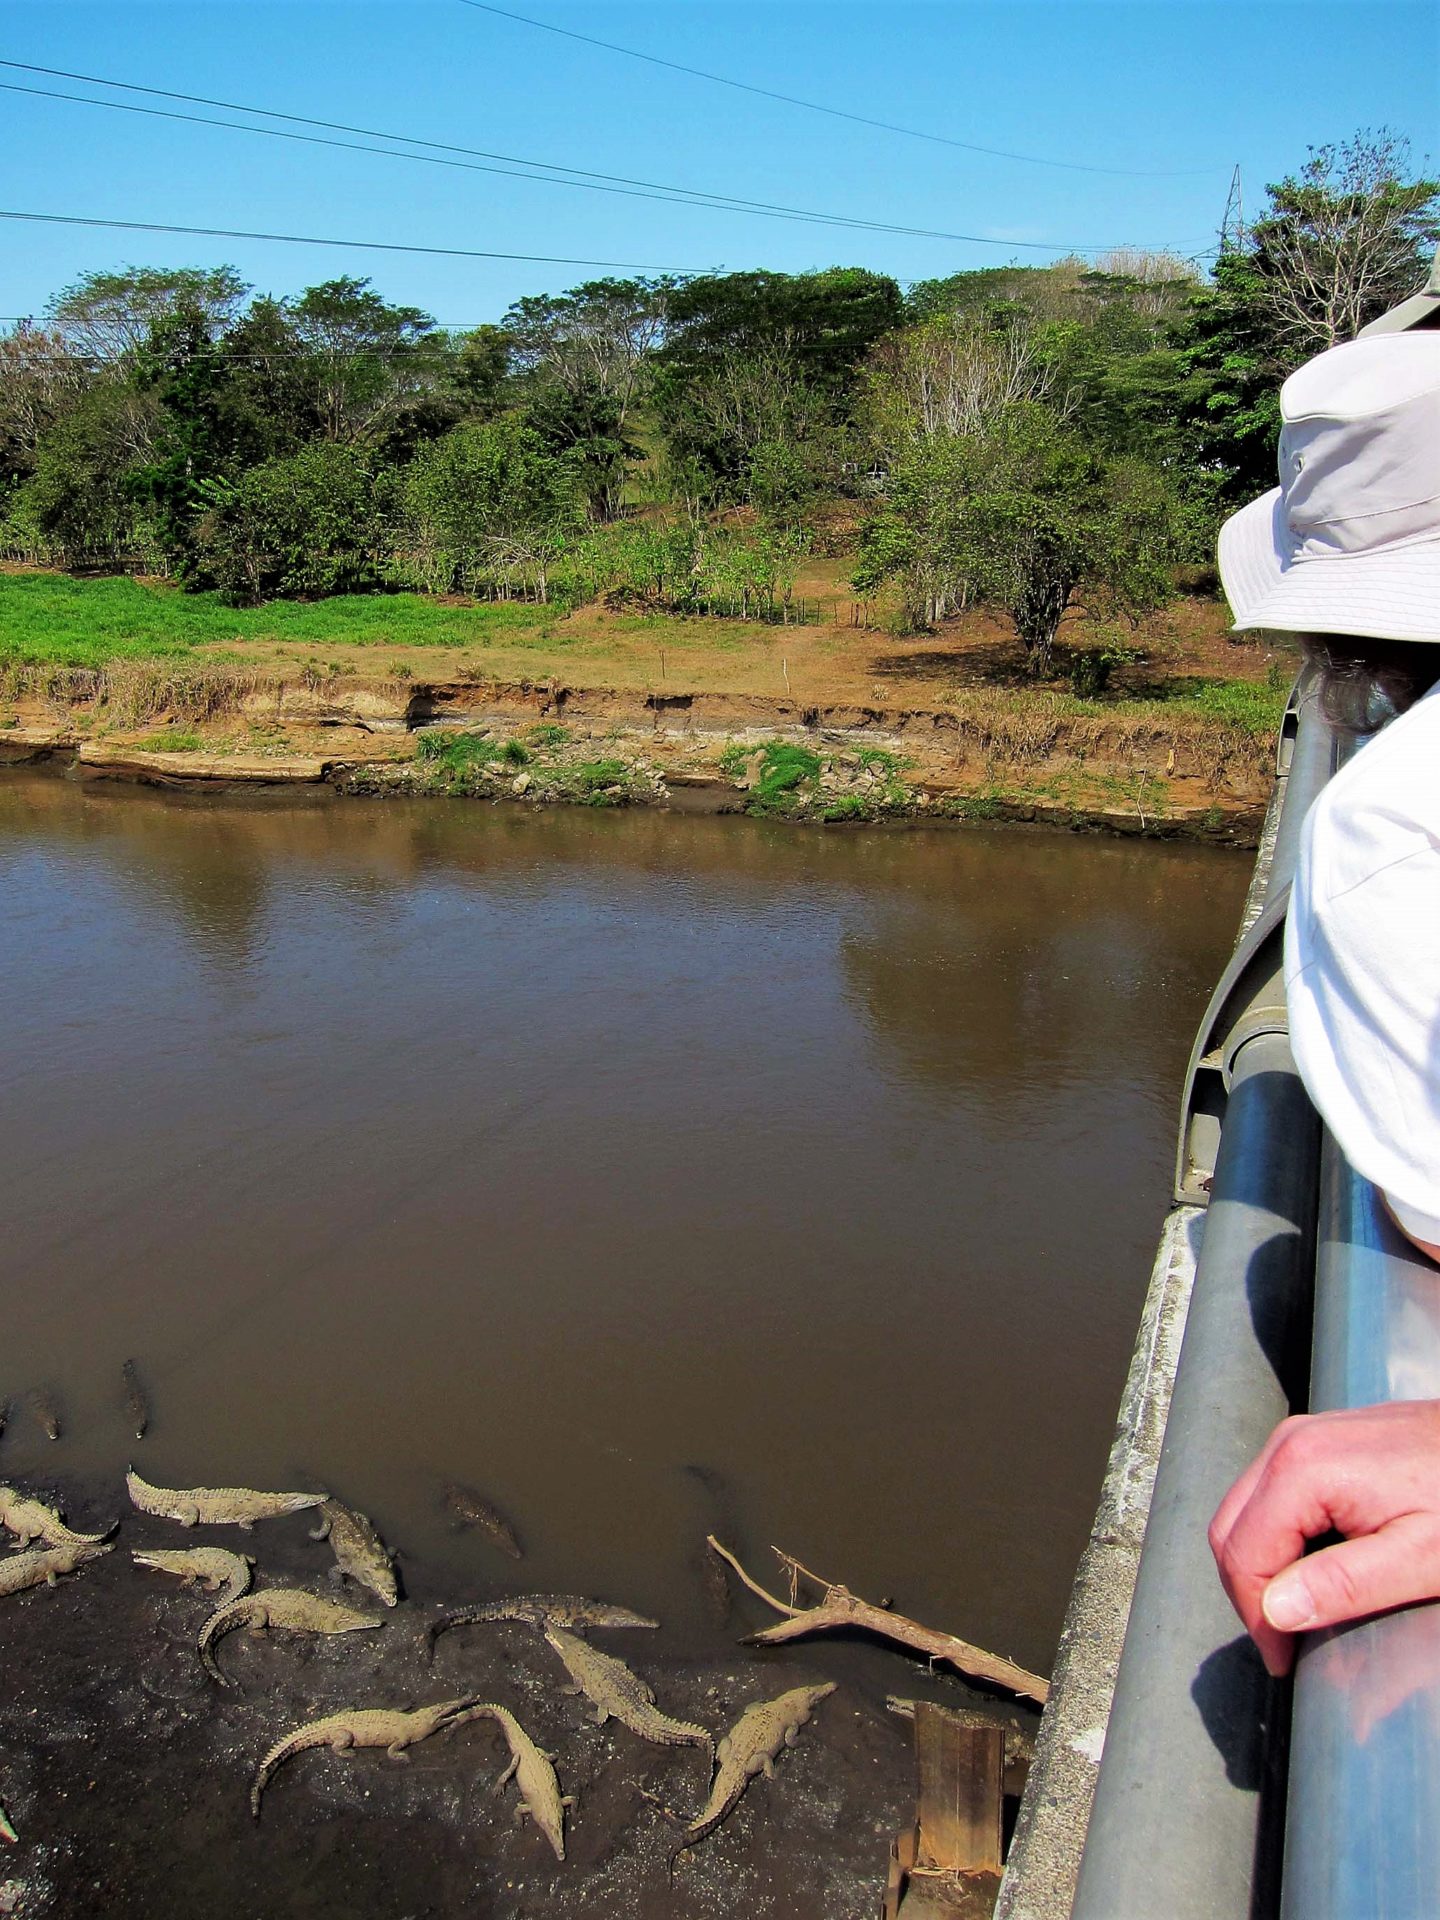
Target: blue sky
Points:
(1177, 90)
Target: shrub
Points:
(310, 524)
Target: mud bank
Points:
(542, 743)
(126, 1772)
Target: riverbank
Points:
(998, 756)
(827, 723)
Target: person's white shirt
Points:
(1362, 964)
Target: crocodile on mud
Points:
(359, 1551)
(618, 1694)
(533, 1773)
(752, 1746)
(472, 1509)
(289, 1608)
(216, 1506)
(32, 1520)
(361, 1727)
(536, 1609)
(215, 1568)
(42, 1567)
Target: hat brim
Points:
(1382, 596)
(1419, 310)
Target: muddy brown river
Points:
(653, 1175)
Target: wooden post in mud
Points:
(950, 1865)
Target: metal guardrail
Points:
(1187, 1820)
(1363, 1827)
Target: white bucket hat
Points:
(1349, 542)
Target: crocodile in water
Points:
(359, 1551)
(216, 1568)
(136, 1403)
(472, 1509)
(617, 1693)
(215, 1506)
(287, 1607)
(361, 1727)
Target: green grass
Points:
(587, 784)
(1241, 703)
(50, 618)
(169, 740)
(784, 768)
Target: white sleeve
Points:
(1362, 973)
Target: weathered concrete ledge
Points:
(1039, 1882)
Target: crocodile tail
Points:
(218, 1623)
(295, 1742)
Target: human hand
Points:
(1370, 1473)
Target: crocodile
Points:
(752, 1746)
(287, 1607)
(361, 1727)
(33, 1520)
(42, 1567)
(535, 1609)
(42, 1405)
(216, 1569)
(534, 1775)
(136, 1402)
(617, 1693)
(474, 1510)
(359, 1551)
(215, 1506)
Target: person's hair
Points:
(1364, 683)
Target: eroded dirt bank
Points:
(126, 1771)
(988, 758)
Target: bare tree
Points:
(108, 315)
(1156, 283)
(595, 338)
(1348, 238)
(39, 378)
(954, 375)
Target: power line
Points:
(619, 183)
(837, 113)
(314, 240)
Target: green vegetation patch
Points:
(51, 618)
(780, 773)
(169, 740)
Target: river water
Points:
(654, 1175)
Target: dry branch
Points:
(841, 1608)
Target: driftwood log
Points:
(838, 1607)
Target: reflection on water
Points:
(559, 1153)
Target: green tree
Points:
(1051, 517)
(1021, 516)
(375, 366)
(180, 367)
(267, 403)
(477, 371)
(583, 359)
(312, 523)
(83, 495)
(488, 505)
(729, 337)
